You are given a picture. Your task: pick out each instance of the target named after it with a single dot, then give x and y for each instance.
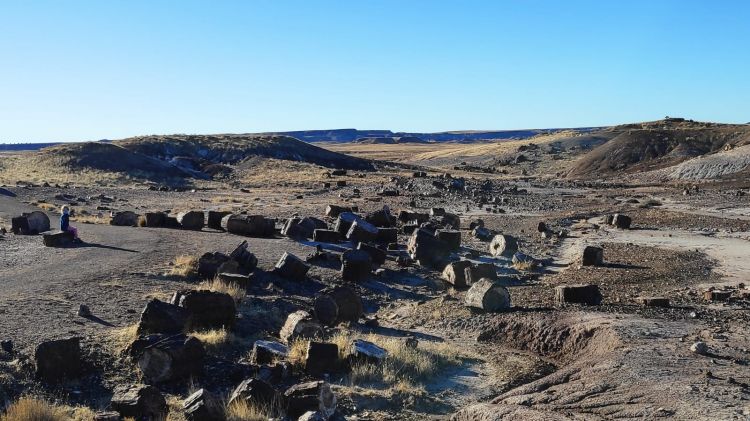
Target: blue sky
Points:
(85, 70)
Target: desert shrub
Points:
(184, 266)
(33, 409)
(217, 285)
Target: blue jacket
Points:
(64, 222)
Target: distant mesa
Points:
(389, 140)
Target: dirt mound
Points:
(232, 149)
(656, 145)
(104, 157)
(726, 162)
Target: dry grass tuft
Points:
(297, 352)
(243, 411)
(33, 409)
(405, 369)
(184, 266)
(49, 207)
(124, 336)
(215, 339)
(231, 288)
(525, 266)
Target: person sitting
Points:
(65, 223)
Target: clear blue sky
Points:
(84, 70)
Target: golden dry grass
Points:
(404, 369)
(217, 285)
(216, 339)
(184, 266)
(34, 409)
(49, 207)
(525, 266)
(243, 411)
(297, 352)
(124, 336)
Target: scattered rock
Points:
(299, 324)
(255, 393)
(621, 221)
(454, 273)
(248, 225)
(321, 358)
(214, 219)
(338, 304)
(124, 219)
(488, 296)
(654, 301)
(356, 265)
(700, 348)
(362, 231)
(171, 359)
(203, 406)
(161, 317)
(57, 238)
(266, 352)
(140, 402)
(361, 351)
(592, 256)
(427, 249)
(503, 245)
(451, 237)
(291, 267)
(578, 294)
(207, 309)
(327, 236)
(58, 360)
(377, 255)
(311, 396)
(192, 220)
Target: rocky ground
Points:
(538, 359)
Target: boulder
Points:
(208, 309)
(255, 393)
(161, 317)
(291, 267)
(214, 219)
(334, 211)
(451, 237)
(437, 211)
(377, 254)
(717, 295)
(327, 236)
(203, 406)
(243, 281)
(192, 220)
(476, 223)
(312, 396)
(381, 218)
(427, 249)
(541, 227)
(387, 235)
(578, 294)
(454, 273)
(344, 222)
(124, 219)
(152, 219)
(246, 260)
(592, 256)
(266, 352)
(503, 245)
(488, 296)
(19, 225)
(299, 324)
(338, 304)
(171, 222)
(621, 221)
(140, 402)
(209, 264)
(478, 271)
(292, 229)
(58, 360)
(321, 358)
(356, 265)
(361, 230)
(312, 416)
(451, 220)
(482, 233)
(57, 238)
(653, 301)
(411, 216)
(38, 222)
(362, 351)
(172, 359)
(248, 225)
